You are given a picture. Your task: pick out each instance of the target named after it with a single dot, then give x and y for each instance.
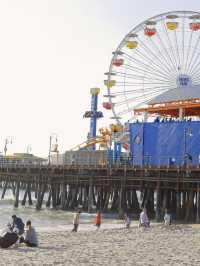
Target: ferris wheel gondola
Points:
(151, 59)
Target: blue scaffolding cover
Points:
(164, 143)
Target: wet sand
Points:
(158, 245)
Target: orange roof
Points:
(191, 108)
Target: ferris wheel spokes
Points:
(139, 99)
(193, 54)
(156, 67)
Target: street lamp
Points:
(8, 140)
(53, 138)
(28, 149)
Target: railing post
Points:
(90, 196)
(158, 202)
(16, 204)
(197, 203)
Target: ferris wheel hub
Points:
(183, 80)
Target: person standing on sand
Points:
(76, 221)
(167, 218)
(98, 220)
(144, 220)
(127, 221)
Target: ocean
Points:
(46, 219)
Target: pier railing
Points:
(113, 161)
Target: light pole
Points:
(28, 149)
(53, 136)
(8, 140)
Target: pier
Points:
(114, 188)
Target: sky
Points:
(51, 54)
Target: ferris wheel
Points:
(151, 59)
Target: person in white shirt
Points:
(30, 239)
(167, 218)
(127, 221)
(76, 221)
(144, 220)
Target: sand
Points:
(175, 245)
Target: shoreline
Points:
(109, 224)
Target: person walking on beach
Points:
(18, 223)
(31, 239)
(76, 221)
(167, 218)
(127, 220)
(144, 220)
(98, 219)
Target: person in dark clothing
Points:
(9, 238)
(18, 223)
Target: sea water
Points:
(46, 219)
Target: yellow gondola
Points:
(131, 44)
(109, 83)
(171, 25)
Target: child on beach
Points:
(98, 220)
(76, 221)
(127, 221)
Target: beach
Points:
(158, 245)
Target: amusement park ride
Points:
(153, 77)
(104, 139)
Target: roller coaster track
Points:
(90, 142)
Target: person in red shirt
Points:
(98, 219)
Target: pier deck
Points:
(107, 188)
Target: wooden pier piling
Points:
(117, 189)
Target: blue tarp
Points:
(164, 143)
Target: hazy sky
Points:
(51, 54)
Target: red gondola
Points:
(107, 105)
(118, 62)
(195, 26)
(149, 31)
